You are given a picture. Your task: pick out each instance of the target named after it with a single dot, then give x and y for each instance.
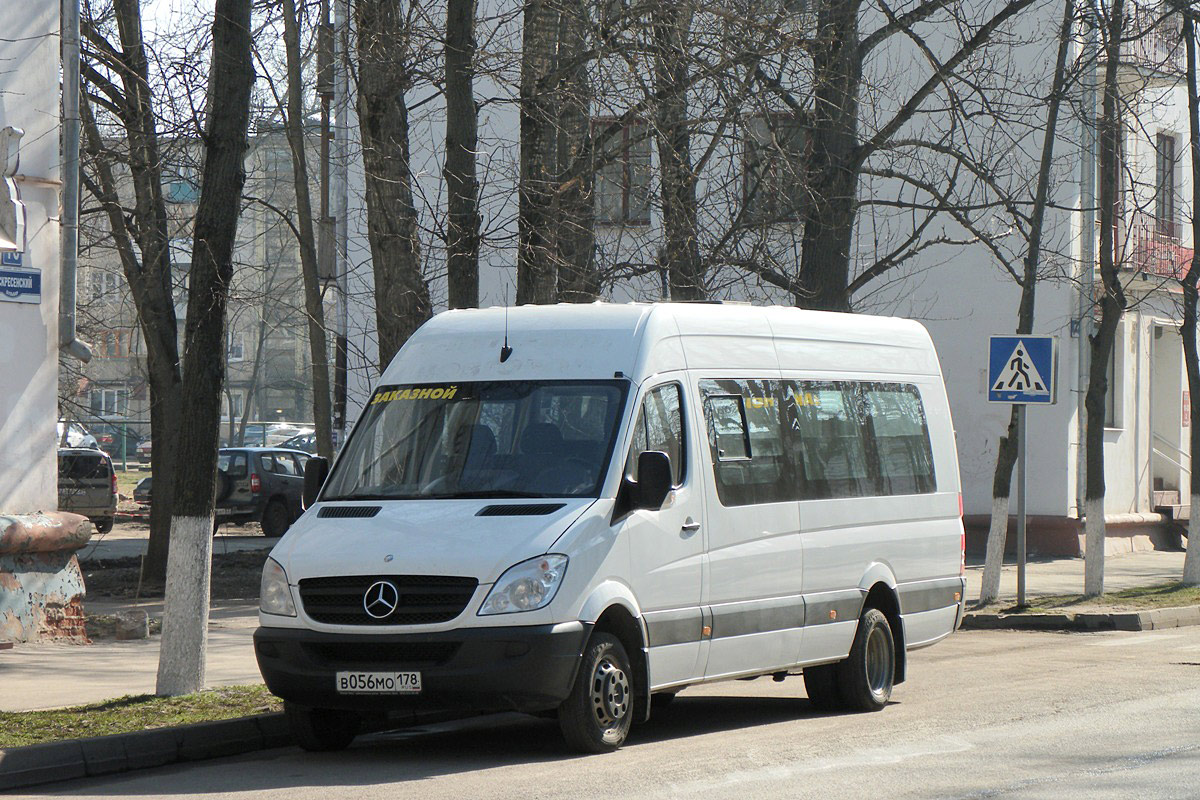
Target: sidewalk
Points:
(1065, 575)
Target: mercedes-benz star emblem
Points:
(381, 599)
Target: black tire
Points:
(822, 686)
(866, 677)
(321, 729)
(224, 485)
(276, 519)
(103, 524)
(596, 716)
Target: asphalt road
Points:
(986, 714)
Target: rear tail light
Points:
(114, 482)
(962, 542)
(255, 482)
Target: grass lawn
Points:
(127, 479)
(1143, 598)
(133, 713)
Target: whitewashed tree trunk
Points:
(184, 651)
(989, 592)
(1191, 562)
(1093, 563)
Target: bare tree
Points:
(462, 144)
(1190, 282)
(185, 624)
(313, 306)
(1007, 453)
(116, 78)
(402, 300)
(1112, 300)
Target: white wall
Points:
(29, 99)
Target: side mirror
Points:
(654, 480)
(316, 470)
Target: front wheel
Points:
(596, 716)
(865, 678)
(321, 729)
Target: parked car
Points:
(87, 485)
(143, 452)
(254, 484)
(72, 434)
(116, 440)
(305, 441)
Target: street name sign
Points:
(1023, 370)
(19, 283)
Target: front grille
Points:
(520, 510)
(422, 599)
(383, 654)
(348, 512)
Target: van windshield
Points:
(485, 439)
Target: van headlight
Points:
(526, 586)
(275, 596)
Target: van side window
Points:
(660, 428)
(747, 438)
(901, 438)
(830, 449)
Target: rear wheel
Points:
(321, 729)
(596, 716)
(103, 524)
(275, 519)
(866, 677)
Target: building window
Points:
(235, 401)
(105, 285)
(111, 344)
(237, 347)
(622, 183)
(1164, 185)
(774, 168)
(183, 184)
(109, 402)
(1114, 391)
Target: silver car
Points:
(87, 485)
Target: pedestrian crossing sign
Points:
(1023, 369)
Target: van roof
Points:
(599, 340)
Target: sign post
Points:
(1022, 371)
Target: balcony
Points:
(1154, 42)
(1154, 248)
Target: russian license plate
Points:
(378, 682)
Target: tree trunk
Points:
(1187, 331)
(402, 300)
(1007, 455)
(831, 174)
(537, 268)
(149, 278)
(314, 308)
(462, 143)
(1112, 306)
(672, 23)
(185, 622)
(575, 235)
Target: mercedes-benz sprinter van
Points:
(574, 508)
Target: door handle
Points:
(690, 527)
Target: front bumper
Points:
(520, 668)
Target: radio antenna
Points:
(505, 351)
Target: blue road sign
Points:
(1023, 369)
(20, 285)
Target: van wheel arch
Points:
(619, 622)
(883, 597)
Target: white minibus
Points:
(572, 509)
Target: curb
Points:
(108, 755)
(1155, 619)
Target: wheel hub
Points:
(610, 692)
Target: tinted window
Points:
(830, 450)
(660, 428)
(83, 467)
(232, 464)
(901, 439)
(747, 438)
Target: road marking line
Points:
(1140, 639)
